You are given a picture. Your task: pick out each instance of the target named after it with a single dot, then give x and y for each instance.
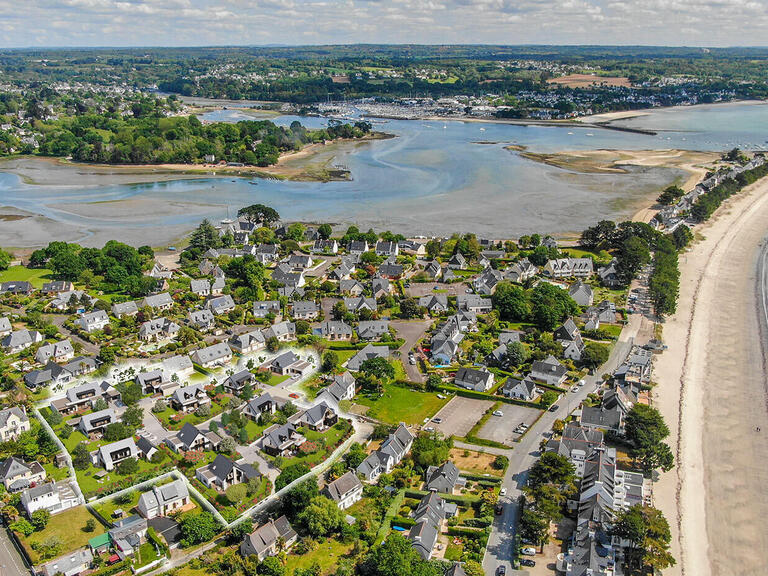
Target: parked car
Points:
(554, 408)
(437, 420)
(498, 413)
(503, 492)
(501, 570)
(529, 551)
(527, 562)
(499, 509)
(441, 397)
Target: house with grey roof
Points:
(93, 321)
(474, 379)
(457, 262)
(190, 437)
(77, 300)
(158, 329)
(163, 500)
(434, 303)
(367, 353)
(224, 472)
(162, 301)
(13, 421)
(360, 303)
(121, 309)
(569, 267)
(110, 455)
(304, 310)
(380, 287)
(94, 424)
(569, 337)
(5, 326)
(189, 398)
(235, 383)
(390, 453)
(201, 286)
(181, 365)
(577, 444)
(57, 352)
(70, 564)
(474, 303)
(487, 281)
(391, 270)
(384, 248)
(433, 270)
(16, 474)
(221, 304)
(247, 342)
(581, 293)
(263, 404)
(263, 541)
(442, 479)
(17, 287)
(19, 340)
(281, 440)
(372, 329)
(358, 246)
(319, 417)
(429, 516)
(283, 331)
(549, 370)
(520, 271)
(343, 387)
(524, 389)
(84, 396)
(335, 330)
(202, 320)
(345, 490)
(351, 287)
(262, 308)
(56, 286)
(52, 496)
(215, 355)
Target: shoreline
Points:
(310, 164)
(608, 117)
(707, 387)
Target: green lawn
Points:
(37, 276)
(55, 473)
(275, 379)
(109, 505)
(146, 555)
(254, 430)
(326, 555)
(399, 404)
(90, 485)
(68, 527)
(331, 437)
(191, 417)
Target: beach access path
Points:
(712, 393)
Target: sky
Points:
(58, 23)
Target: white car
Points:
(503, 492)
(498, 413)
(528, 551)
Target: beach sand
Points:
(712, 392)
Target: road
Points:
(526, 452)
(411, 331)
(58, 320)
(11, 562)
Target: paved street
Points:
(11, 563)
(500, 542)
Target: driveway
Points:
(459, 415)
(58, 321)
(151, 425)
(411, 331)
(251, 455)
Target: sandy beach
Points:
(712, 392)
(608, 117)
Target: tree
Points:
(133, 416)
(128, 466)
(40, 518)
(355, 456)
(5, 260)
(515, 355)
(670, 194)
(325, 231)
(204, 410)
(90, 525)
(330, 361)
(473, 568)
(434, 382)
(227, 445)
(300, 496)
(273, 344)
(197, 528)
(204, 237)
(409, 308)
(550, 305)
(633, 255)
(100, 404)
(117, 431)
(551, 469)
(431, 449)
(271, 566)
(682, 236)
(291, 473)
(81, 458)
(259, 214)
(396, 557)
(649, 536)
(534, 526)
(378, 367)
(595, 354)
(511, 301)
(322, 517)
(548, 398)
(599, 236)
(160, 406)
(296, 232)
(645, 429)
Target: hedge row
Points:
(394, 345)
(477, 441)
(401, 521)
(465, 531)
(458, 499)
(114, 569)
(481, 477)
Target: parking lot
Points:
(459, 415)
(417, 289)
(501, 428)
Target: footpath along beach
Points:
(712, 392)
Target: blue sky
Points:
(258, 22)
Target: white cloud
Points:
(227, 22)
